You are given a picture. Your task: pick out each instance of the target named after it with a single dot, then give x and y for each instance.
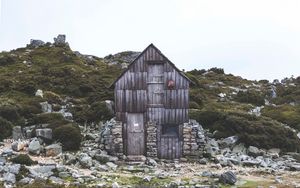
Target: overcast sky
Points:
(257, 39)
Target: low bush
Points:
(5, 128)
(251, 97)
(217, 70)
(10, 113)
(287, 114)
(23, 159)
(261, 132)
(52, 97)
(69, 135)
(53, 119)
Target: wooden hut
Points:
(152, 102)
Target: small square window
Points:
(170, 129)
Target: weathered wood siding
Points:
(143, 89)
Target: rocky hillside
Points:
(73, 89)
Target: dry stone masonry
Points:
(151, 140)
(193, 140)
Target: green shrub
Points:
(9, 112)
(194, 105)
(257, 131)
(206, 118)
(252, 97)
(6, 60)
(287, 114)
(52, 97)
(23, 159)
(53, 119)
(217, 70)
(5, 128)
(69, 135)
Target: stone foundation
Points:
(151, 139)
(111, 138)
(193, 140)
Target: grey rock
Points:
(26, 181)
(34, 147)
(64, 174)
(14, 168)
(18, 145)
(228, 178)
(46, 107)
(103, 158)
(239, 149)
(254, 151)
(115, 185)
(228, 142)
(60, 40)
(9, 177)
(39, 93)
(7, 152)
(203, 161)
(42, 171)
(17, 133)
(44, 133)
(34, 43)
(2, 161)
(56, 180)
(206, 174)
(85, 160)
(147, 178)
(112, 166)
(53, 150)
(151, 162)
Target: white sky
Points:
(256, 39)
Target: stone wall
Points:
(151, 138)
(111, 138)
(193, 140)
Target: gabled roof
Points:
(134, 61)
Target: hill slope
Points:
(259, 112)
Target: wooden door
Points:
(155, 85)
(170, 147)
(135, 134)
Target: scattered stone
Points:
(147, 178)
(41, 171)
(9, 177)
(60, 40)
(228, 178)
(56, 180)
(115, 185)
(53, 150)
(14, 168)
(254, 151)
(39, 93)
(46, 107)
(85, 160)
(35, 43)
(229, 141)
(151, 162)
(17, 133)
(34, 147)
(18, 145)
(206, 174)
(45, 134)
(112, 165)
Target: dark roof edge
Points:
(151, 45)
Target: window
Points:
(170, 129)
